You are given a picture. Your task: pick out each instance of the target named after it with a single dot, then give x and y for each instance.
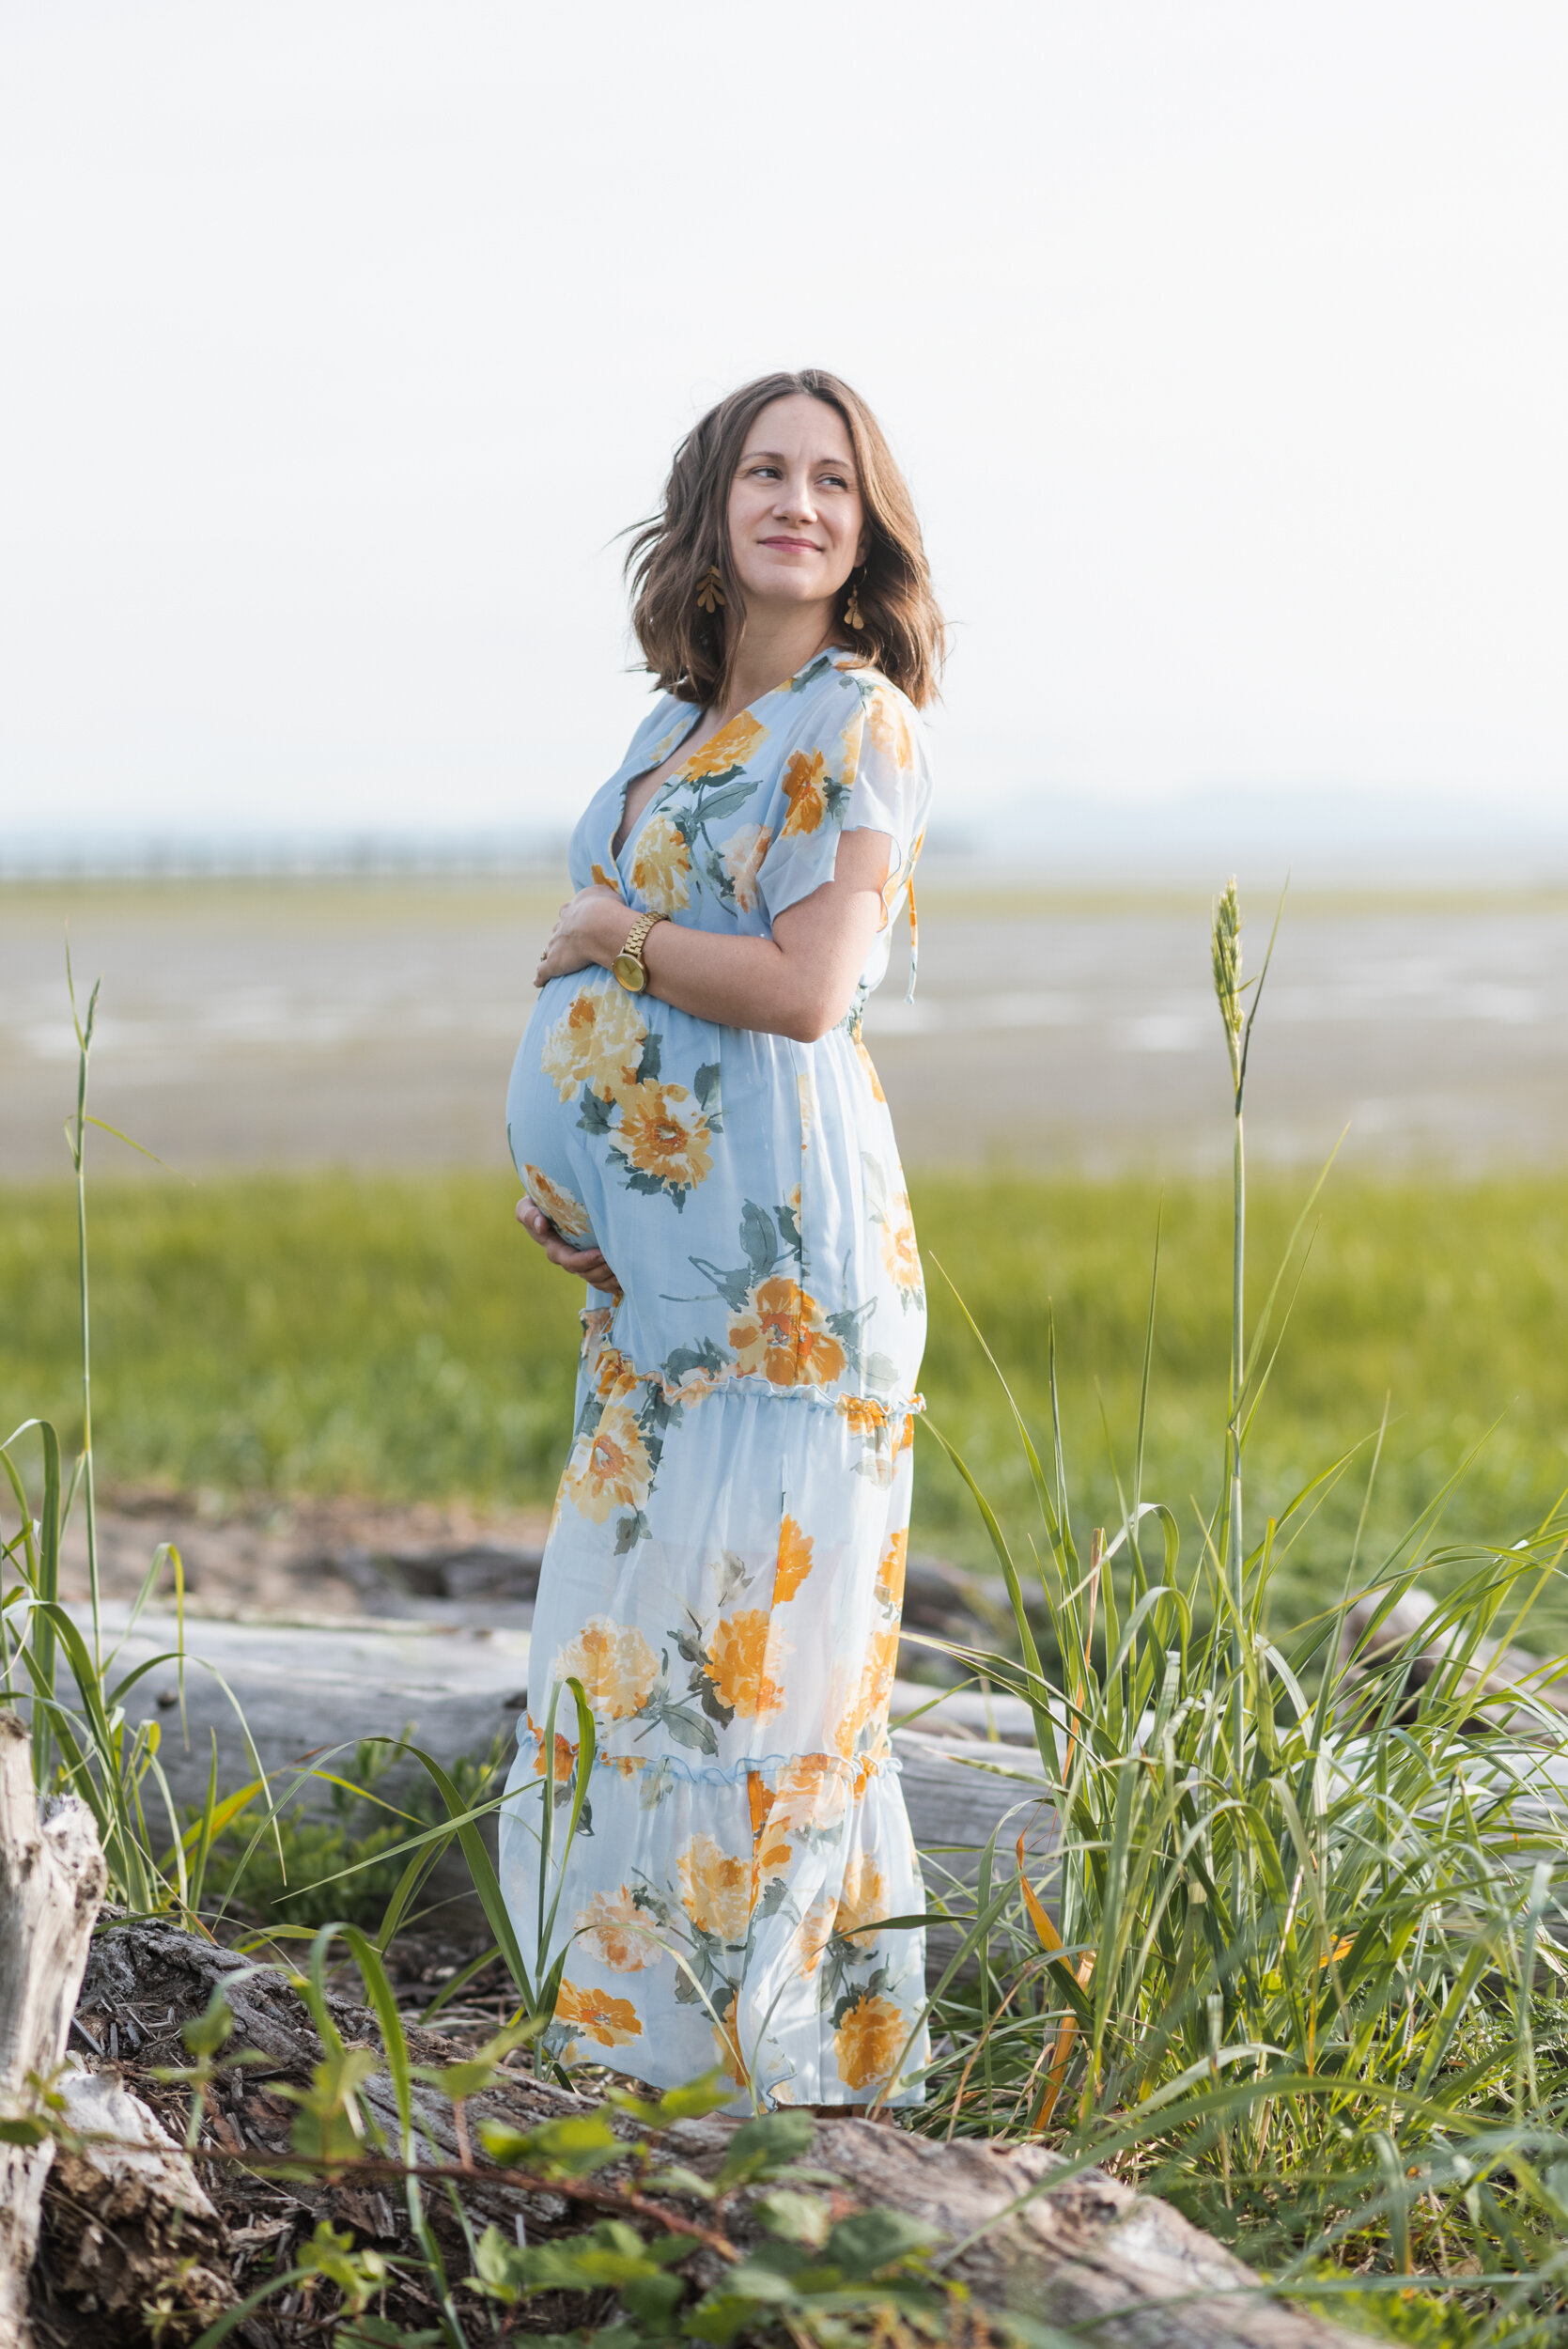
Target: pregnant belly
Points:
(598, 1115)
(544, 1102)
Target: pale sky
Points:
(1225, 346)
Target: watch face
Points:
(629, 971)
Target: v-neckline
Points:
(675, 773)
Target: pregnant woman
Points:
(702, 1138)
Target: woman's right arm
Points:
(798, 982)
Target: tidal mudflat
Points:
(371, 1025)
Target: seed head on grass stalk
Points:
(1227, 975)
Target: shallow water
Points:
(373, 1024)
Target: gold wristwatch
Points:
(629, 966)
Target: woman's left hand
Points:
(592, 928)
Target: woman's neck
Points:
(774, 645)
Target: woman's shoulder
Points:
(661, 728)
(837, 691)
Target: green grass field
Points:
(399, 1337)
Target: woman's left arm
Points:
(798, 983)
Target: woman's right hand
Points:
(584, 1263)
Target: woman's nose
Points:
(795, 502)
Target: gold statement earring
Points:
(852, 610)
(711, 589)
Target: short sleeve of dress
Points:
(869, 774)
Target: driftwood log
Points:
(127, 2223)
(968, 1767)
(52, 1883)
(1494, 1673)
(1090, 2250)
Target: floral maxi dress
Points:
(724, 1570)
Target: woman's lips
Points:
(795, 546)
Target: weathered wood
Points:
(51, 1884)
(127, 2223)
(313, 1689)
(1494, 1672)
(1089, 2251)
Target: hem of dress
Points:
(903, 2099)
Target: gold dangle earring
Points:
(711, 589)
(852, 610)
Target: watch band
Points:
(636, 937)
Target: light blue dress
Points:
(726, 1564)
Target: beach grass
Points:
(399, 1337)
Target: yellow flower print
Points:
(864, 1417)
(662, 865)
(868, 2040)
(616, 1930)
(811, 1793)
(596, 1322)
(899, 1251)
(716, 1890)
(743, 1656)
(566, 1757)
(868, 1064)
(568, 1215)
(614, 1663)
(605, 880)
(781, 1334)
(870, 1699)
(890, 728)
(614, 1377)
(813, 1934)
(794, 1564)
(609, 2022)
(850, 738)
(597, 1042)
(730, 747)
(726, 2041)
(862, 1902)
(742, 853)
(890, 1574)
(802, 788)
(610, 1469)
(770, 1853)
(663, 1132)
(881, 1664)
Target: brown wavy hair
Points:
(690, 649)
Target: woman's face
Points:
(797, 523)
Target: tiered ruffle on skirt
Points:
(724, 1579)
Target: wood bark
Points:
(1090, 2251)
(128, 2223)
(52, 1885)
(1494, 1672)
(313, 1691)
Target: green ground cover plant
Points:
(399, 1337)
